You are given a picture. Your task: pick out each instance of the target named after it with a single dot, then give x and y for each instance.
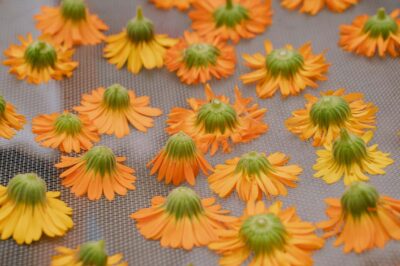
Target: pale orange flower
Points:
(10, 120)
(168, 4)
(312, 7)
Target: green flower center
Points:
(381, 24)
(40, 54)
(263, 233)
(181, 146)
(74, 10)
(200, 55)
(93, 253)
(330, 110)
(284, 62)
(101, 160)
(230, 15)
(140, 29)
(116, 97)
(27, 189)
(253, 164)
(359, 199)
(3, 104)
(216, 116)
(349, 149)
(183, 202)
(68, 123)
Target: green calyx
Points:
(381, 24)
(27, 189)
(3, 105)
(69, 124)
(330, 110)
(284, 62)
(116, 97)
(180, 146)
(40, 54)
(140, 29)
(216, 116)
(230, 15)
(360, 198)
(101, 160)
(93, 253)
(74, 10)
(183, 202)
(253, 164)
(200, 55)
(349, 148)
(263, 233)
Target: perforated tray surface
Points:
(378, 79)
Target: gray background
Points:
(377, 78)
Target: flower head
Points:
(10, 120)
(271, 235)
(168, 4)
(97, 172)
(197, 59)
(370, 35)
(89, 253)
(253, 175)
(137, 45)
(322, 118)
(231, 19)
(286, 69)
(362, 219)
(312, 7)
(27, 210)
(350, 157)
(214, 122)
(182, 220)
(112, 110)
(67, 131)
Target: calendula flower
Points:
(182, 220)
(168, 4)
(253, 175)
(10, 120)
(40, 60)
(312, 7)
(89, 253)
(370, 35)
(71, 23)
(179, 161)
(67, 132)
(197, 59)
(231, 19)
(215, 122)
(362, 219)
(323, 117)
(137, 45)
(27, 211)
(350, 157)
(112, 110)
(287, 69)
(271, 236)
(97, 172)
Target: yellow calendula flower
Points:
(350, 157)
(168, 4)
(137, 45)
(27, 211)
(10, 120)
(312, 7)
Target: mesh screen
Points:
(377, 78)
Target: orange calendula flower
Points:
(350, 157)
(323, 117)
(168, 4)
(197, 59)
(214, 122)
(231, 19)
(312, 7)
(362, 219)
(182, 220)
(286, 69)
(138, 46)
(112, 110)
(39, 61)
(179, 161)
(71, 24)
(370, 35)
(97, 172)
(271, 236)
(89, 253)
(253, 175)
(67, 132)
(27, 211)
(10, 120)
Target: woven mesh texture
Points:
(377, 78)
